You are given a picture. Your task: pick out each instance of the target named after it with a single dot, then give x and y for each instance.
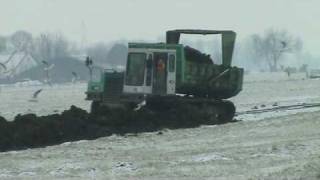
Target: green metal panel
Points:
(193, 75)
(228, 41)
(95, 86)
(154, 45)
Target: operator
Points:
(161, 66)
(160, 76)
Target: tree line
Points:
(264, 51)
(52, 47)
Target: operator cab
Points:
(150, 71)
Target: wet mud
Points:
(32, 131)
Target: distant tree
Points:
(117, 55)
(303, 68)
(51, 47)
(60, 46)
(99, 53)
(42, 48)
(3, 43)
(21, 40)
(108, 54)
(272, 45)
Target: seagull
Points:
(45, 63)
(75, 77)
(284, 44)
(5, 69)
(3, 66)
(140, 105)
(49, 67)
(35, 95)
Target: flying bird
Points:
(5, 69)
(284, 44)
(75, 77)
(49, 67)
(35, 94)
(3, 66)
(74, 73)
(45, 63)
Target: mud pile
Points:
(30, 131)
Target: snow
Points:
(275, 145)
(52, 99)
(209, 157)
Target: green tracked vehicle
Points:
(167, 75)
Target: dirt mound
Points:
(30, 131)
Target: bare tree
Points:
(117, 55)
(107, 55)
(271, 46)
(50, 47)
(21, 40)
(42, 48)
(99, 53)
(61, 46)
(3, 43)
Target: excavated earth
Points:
(30, 130)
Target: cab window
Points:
(135, 69)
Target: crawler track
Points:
(212, 111)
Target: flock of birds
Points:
(47, 68)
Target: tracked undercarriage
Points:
(217, 111)
(208, 110)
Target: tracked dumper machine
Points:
(167, 75)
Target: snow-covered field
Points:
(15, 99)
(278, 145)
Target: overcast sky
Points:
(107, 20)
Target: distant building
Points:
(18, 63)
